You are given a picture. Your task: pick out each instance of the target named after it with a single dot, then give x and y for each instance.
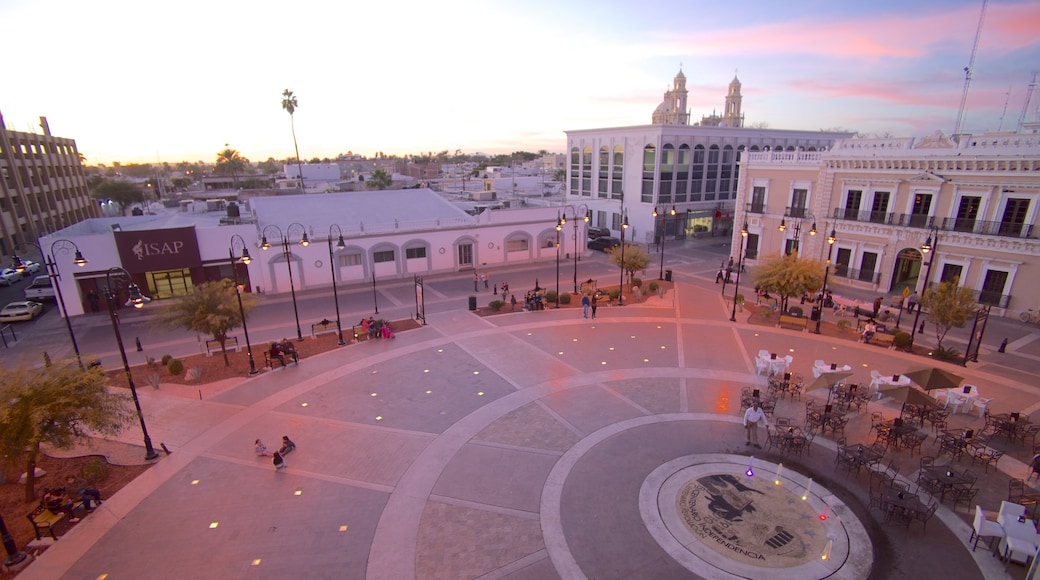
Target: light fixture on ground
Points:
(664, 234)
(928, 246)
(245, 259)
(559, 227)
(798, 231)
(120, 276)
(826, 272)
(287, 254)
(341, 245)
(581, 210)
(740, 264)
(64, 247)
(621, 289)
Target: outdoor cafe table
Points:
(892, 432)
(878, 380)
(1007, 426)
(945, 477)
(823, 420)
(828, 368)
(862, 455)
(901, 503)
(790, 438)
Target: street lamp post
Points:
(826, 271)
(927, 247)
(245, 259)
(137, 300)
(559, 226)
(332, 269)
(587, 217)
(664, 233)
(65, 246)
(287, 253)
(621, 294)
(798, 230)
(740, 262)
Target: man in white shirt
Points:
(752, 417)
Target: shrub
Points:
(496, 305)
(166, 358)
(637, 282)
(946, 354)
(175, 366)
(901, 340)
(94, 471)
(194, 374)
(550, 296)
(654, 286)
(565, 298)
(614, 294)
(844, 324)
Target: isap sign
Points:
(164, 249)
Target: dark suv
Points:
(604, 243)
(598, 233)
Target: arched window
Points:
(664, 194)
(604, 172)
(682, 173)
(697, 173)
(649, 164)
(586, 172)
(575, 162)
(617, 173)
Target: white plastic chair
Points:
(984, 528)
(819, 364)
(954, 400)
(942, 394)
(763, 354)
(1010, 511)
(762, 365)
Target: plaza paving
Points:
(526, 445)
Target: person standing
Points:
(92, 297)
(912, 301)
(484, 278)
(752, 417)
(512, 302)
(877, 305)
(585, 304)
(718, 277)
(476, 280)
(594, 308)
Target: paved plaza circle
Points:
(732, 516)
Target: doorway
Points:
(907, 270)
(465, 256)
(169, 283)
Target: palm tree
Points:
(229, 161)
(379, 180)
(289, 104)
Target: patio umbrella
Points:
(826, 381)
(934, 378)
(908, 394)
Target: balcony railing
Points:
(1009, 229)
(796, 212)
(855, 274)
(756, 207)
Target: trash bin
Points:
(667, 275)
(815, 315)
(472, 302)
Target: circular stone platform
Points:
(719, 522)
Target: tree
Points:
(229, 162)
(560, 175)
(788, 276)
(380, 180)
(55, 405)
(948, 305)
(211, 309)
(289, 104)
(122, 192)
(636, 260)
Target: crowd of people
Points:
(376, 328)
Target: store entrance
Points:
(169, 283)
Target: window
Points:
(879, 211)
(919, 213)
(575, 160)
(852, 201)
(349, 260)
(951, 272)
(517, 245)
(649, 161)
(967, 213)
(841, 263)
(758, 200)
(682, 173)
(667, 166)
(867, 265)
(993, 288)
(412, 253)
(384, 256)
(798, 199)
(586, 172)
(617, 171)
(751, 251)
(1014, 216)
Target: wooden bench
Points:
(213, 344)
(44, 519)
(322, 327)
(269, 362)
(798, 322)
(882, 339)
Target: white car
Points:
(16, 311)
(9, 276)
(30, 267)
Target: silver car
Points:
(9, 276)
(18, 311)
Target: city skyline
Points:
(139, 84)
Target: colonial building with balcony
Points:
(974, 198)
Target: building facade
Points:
(43, 186)
(974, 198)
(628, 171)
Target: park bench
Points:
(44, 519)
(797, 322)
(269, 362)
(322, 327)
(213, 344)
(882, 339)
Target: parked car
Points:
(598, 233)
(16, 311)
(40, 289)
(604, 244)
(9, 276)
(30, 267)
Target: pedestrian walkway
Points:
(522, 445)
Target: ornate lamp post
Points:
(137, 300)
(740, 263)
(927, 247)
(559, 226)
(245, 259)
(287, 253)
(621, 295)
(587, 217)
(664, 232)
(826, 271)
(798, 230)
(332, 269)
(64, 246)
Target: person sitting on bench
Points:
(88, 495)
(276, 353)
(869, 330)
(56, 501)
(288, 349)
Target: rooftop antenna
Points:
(1007, 97)
(1029, 97)
(968, 70)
